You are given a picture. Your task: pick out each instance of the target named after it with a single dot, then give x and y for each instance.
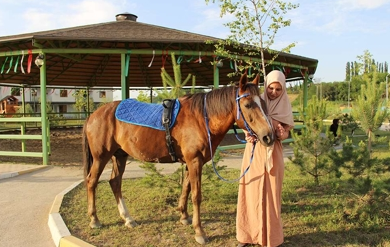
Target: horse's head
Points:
(251, 111)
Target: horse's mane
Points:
(219, 101)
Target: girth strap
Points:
(168, 105)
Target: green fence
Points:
(22, 122)
(297, 127)
(242, 145)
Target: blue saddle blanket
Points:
(144, 114)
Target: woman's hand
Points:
(249, 137)
(281, 132)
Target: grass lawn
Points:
(312, 215)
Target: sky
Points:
(332, 31)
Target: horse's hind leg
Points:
(92, 180)
(183, 201)
(119, 165)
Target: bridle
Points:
(245, 123)
(239, 113)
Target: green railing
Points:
(22, 121)
(297, 127)
(69, 119)
(242, 145)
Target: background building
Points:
(62, 100)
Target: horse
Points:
(201, 124)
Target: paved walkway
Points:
(28, 192)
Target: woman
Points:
(260, 190)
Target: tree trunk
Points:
(369, 142)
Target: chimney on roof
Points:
(126, 16)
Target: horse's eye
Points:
(248, 105)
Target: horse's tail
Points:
(87, 157)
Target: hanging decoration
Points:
(199, 60)
(2, 67)
(287, 70)
(21, 63)
(16, 64)
(249, 70)
(302, 73)
(29, 61)
(274, 67)
(190, 59)
(164, 57)
(258, 67)
(179, 59)
(235, 64)
(10, 64)
(150, 64)
(220, 63)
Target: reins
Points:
(239, 112)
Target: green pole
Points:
(216, 75)
(88, 110)
(305, 89)
(23, 125)
(44, 119)
(124, 86)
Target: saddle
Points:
(157, 116)
(168, 105)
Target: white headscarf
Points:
(278, 109)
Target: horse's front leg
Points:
(195, 177)
(183, 201)
(119, 165)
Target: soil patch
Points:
(65, 145)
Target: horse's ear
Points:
(256, 81)
(243, 80)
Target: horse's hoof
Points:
(201, 239)
(96, 224)
(131, 224)
(186, 221)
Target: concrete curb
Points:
(14, 174)
(58, 229)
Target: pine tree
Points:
(176, 82)
(367, 108)
(356, 68)
(312, 146)
(83, 101)
(352, 69)
(348, 72)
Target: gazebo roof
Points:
(90, 55)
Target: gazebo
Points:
(123, 53)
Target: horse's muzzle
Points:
(268, 140)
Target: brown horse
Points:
(105, 138)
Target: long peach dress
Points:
(260, 190)
(259, 198)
